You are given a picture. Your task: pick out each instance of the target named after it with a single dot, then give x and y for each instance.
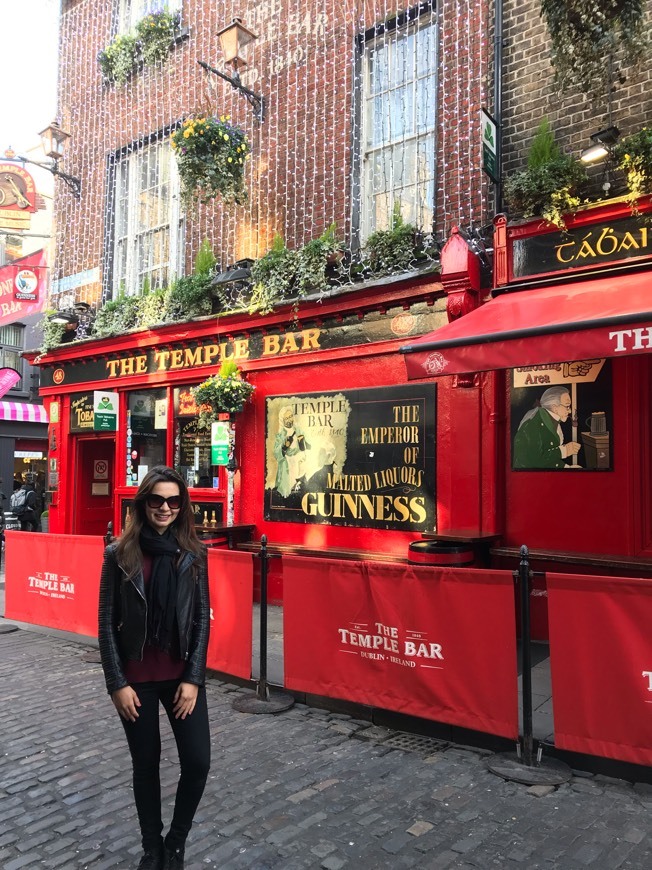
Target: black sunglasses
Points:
(157, 501)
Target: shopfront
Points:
(566, 343)
(364, 475)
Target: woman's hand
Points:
(126, 701)
(185, 699)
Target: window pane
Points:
(378, 69)
(192, 445)
(148, 428)
(426, 94)
(405, 164)
(425, 50)
(402, 113)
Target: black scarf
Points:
(162, 587)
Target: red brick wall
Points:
(300, 171)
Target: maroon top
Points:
(156, 664)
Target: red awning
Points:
(23, 411)
(606, 317)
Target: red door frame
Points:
(79, 505)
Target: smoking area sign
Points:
(220, 443)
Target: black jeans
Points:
(193, 744)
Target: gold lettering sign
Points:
(177, 358)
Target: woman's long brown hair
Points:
(128, 550)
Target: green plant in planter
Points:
(550, 184)
(117, 316)
(105, 322)
(211, 155)
(191, 295)
(188, 297)
(312, 260)
(155, 33)
(153, 307)
(119, 58)
(273, 277)
(633, 154)
(585, 33)
(52, 332)
(391, 250)
(223, 393)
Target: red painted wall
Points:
(592, 512)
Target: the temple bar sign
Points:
(213, 351)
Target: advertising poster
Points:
(362, 458)
(561, 416)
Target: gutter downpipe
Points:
(498, 101)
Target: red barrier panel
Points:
(601, 665)
(231, 583)
(433, 642)
(53, 580)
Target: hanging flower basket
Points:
(211, 154)
(223, 393)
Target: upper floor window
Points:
(132, 11)
(398, 126)
(11, 346)
(147, 239)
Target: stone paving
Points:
(301, 789)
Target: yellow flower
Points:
(222, 118)
(230, 159)
(226, 138)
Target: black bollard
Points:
(263, 701)
(522, 766)
(525, 575)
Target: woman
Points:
(153, 637)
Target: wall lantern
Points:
(233, 38)
(77, 320)
(603, 142)
(53, 139)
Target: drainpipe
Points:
(498, 102)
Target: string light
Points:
(311, 63)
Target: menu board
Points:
(192, 439)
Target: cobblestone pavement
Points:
(302, 789)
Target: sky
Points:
(28, 70)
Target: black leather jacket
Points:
(123, 619)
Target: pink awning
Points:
(606, 317)
(23, 412)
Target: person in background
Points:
(23, 504)
(153, 639)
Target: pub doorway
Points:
(93, 491)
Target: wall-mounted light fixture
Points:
(233, 39)
(53, 139)
(76, 320)
(603, 142)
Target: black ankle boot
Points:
(174, 857)
(153, 859)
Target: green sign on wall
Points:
(220, 443)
